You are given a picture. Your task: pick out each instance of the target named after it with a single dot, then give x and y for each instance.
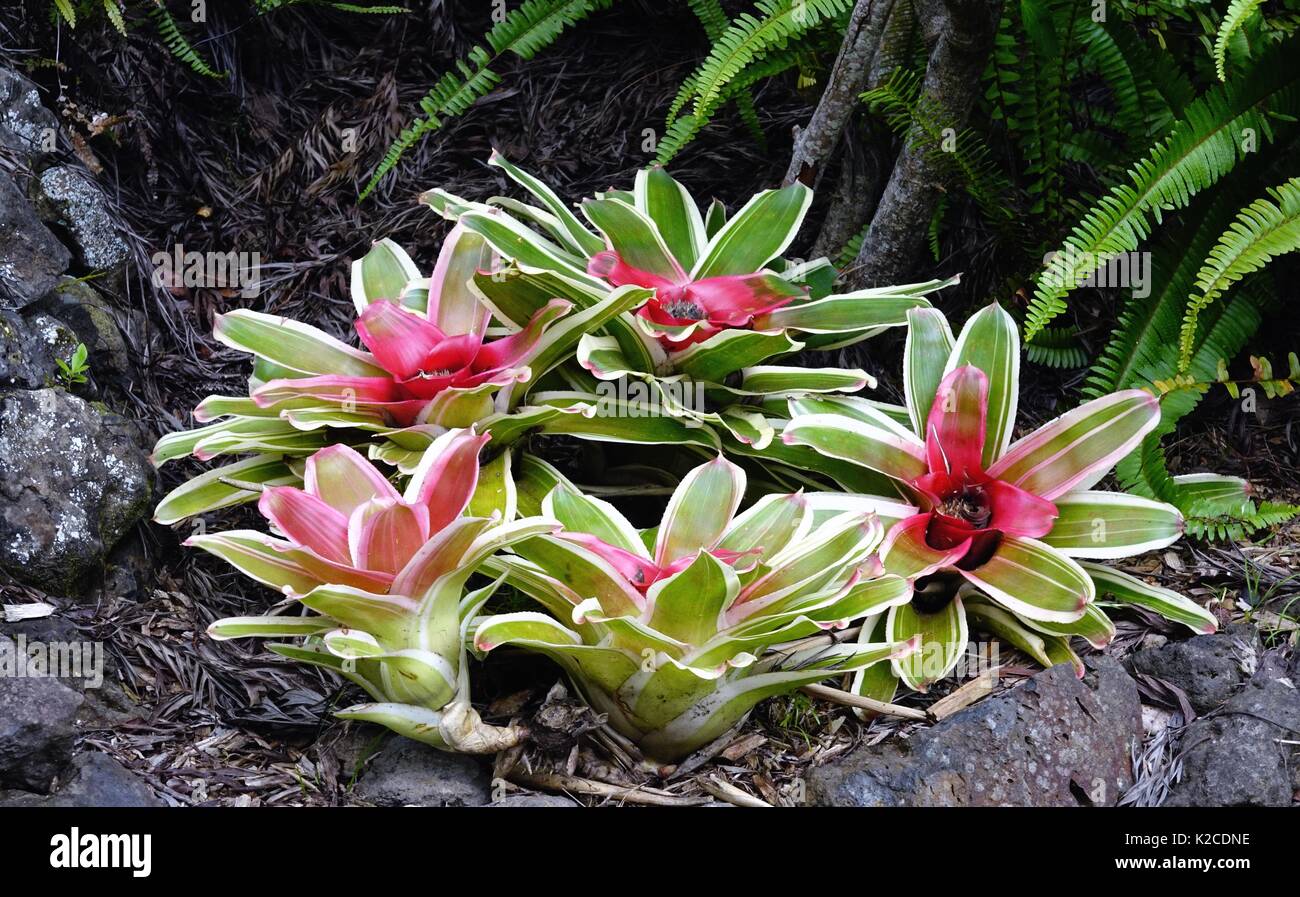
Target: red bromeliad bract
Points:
(712, 304)
(965, 510)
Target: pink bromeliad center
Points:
(712, 303)
(421, 361)
(641, 572)
(966, 511)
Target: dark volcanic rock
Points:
(1236, 756)
(38, 716)
(1209, 668)
(27, 129)
(94, 321)
(72, 482)
(96, 780)
(1053, 741)
(30, 345)
(31, 258)
(407, 773)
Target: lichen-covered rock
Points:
(407, 773)
(38, 715)
(1209, 668)
(1238, 755)
(27, 129)
(93, 320)
(30, 346)
(78, 204)
(1052, 741)
(73, 480)
(95, 780)
(31, 258)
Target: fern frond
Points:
(749, 38)
(964, 156)
(682, 130)
(714, 20)
(1263, 230)
(1141, 347)
(1230, 527)
(114, 13)
(67, 12)
(1206, 143)
(1057, 347)
(849, 254)
(176, 42)
(1238, 12)
(524, 31)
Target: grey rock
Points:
(94, 322)
(73, 480)
(1235, 756)
(76, 202)
(96, 780)
(31, 258)
(1052, 741)
(56, 645)
(38, 716)
(30, 345)
(26, 127)
(407, 773)
(1209, 668)
(534, 800)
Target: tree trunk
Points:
(950, 90)
(815, 144)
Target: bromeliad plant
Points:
(383, 575)
(1001, 532)
(430, 367)
(671, 632)
(720, 304)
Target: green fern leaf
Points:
(1238, 12)
(1057, 347)
(1206, 143)
(67, 11)
(1262, 231)
(177, 44)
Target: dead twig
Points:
(848, 699)
(652, 797)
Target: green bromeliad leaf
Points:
(382, 273)
(1079, 447)
(1013, 630)
(632, 234)
(674, 213)
(943, 636)
(755, 235)
(1112, 525)
(925, 357)
(219, 488)
(292, 345)
(1034, 580)
(700, 510)
(1121, 589)
(879, 447)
